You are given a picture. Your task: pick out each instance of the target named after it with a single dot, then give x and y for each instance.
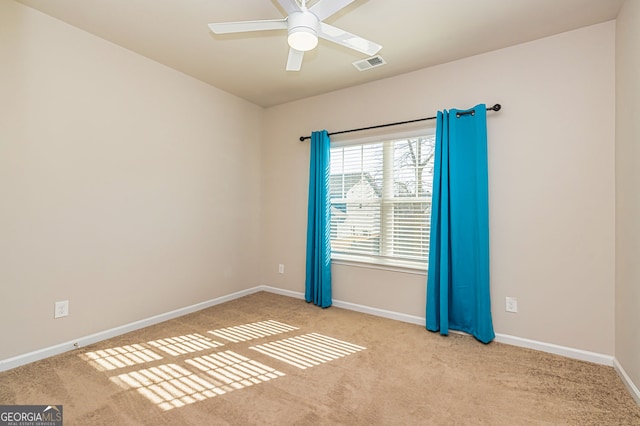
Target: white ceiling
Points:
(414, 34)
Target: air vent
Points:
(367, 64)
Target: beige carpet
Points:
(274, 360)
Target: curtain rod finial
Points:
(496, 107)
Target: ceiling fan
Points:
(304, 26)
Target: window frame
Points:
(382, 262)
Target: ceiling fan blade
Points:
(325, 8)
(289, 6)
(352, 41)
(294, 62)
(244, 26)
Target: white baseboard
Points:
(281, 292)
(579, 354)
(379, 312)
(565, 351)
(9, 363)
(633, 389)
(351, 306)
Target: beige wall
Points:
(551, 173)
(628, 189)
(119, 185)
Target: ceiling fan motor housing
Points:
(302, 28)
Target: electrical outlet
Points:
(281, 268)
(61, 309)
(512, 304)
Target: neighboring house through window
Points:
(381, 200)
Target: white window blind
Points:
(381, 200)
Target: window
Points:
(381, 201)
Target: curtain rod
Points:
(496, 107)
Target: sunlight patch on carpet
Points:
(120, 357)
(172, 386)
(234, 370)
(256, 330)
(168, 386)
(182, 345)
(307, 350)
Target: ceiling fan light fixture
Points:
(303, 30)
(302, 39)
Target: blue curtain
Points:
(318, 277)
(458, 277)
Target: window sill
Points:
(405, 267)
